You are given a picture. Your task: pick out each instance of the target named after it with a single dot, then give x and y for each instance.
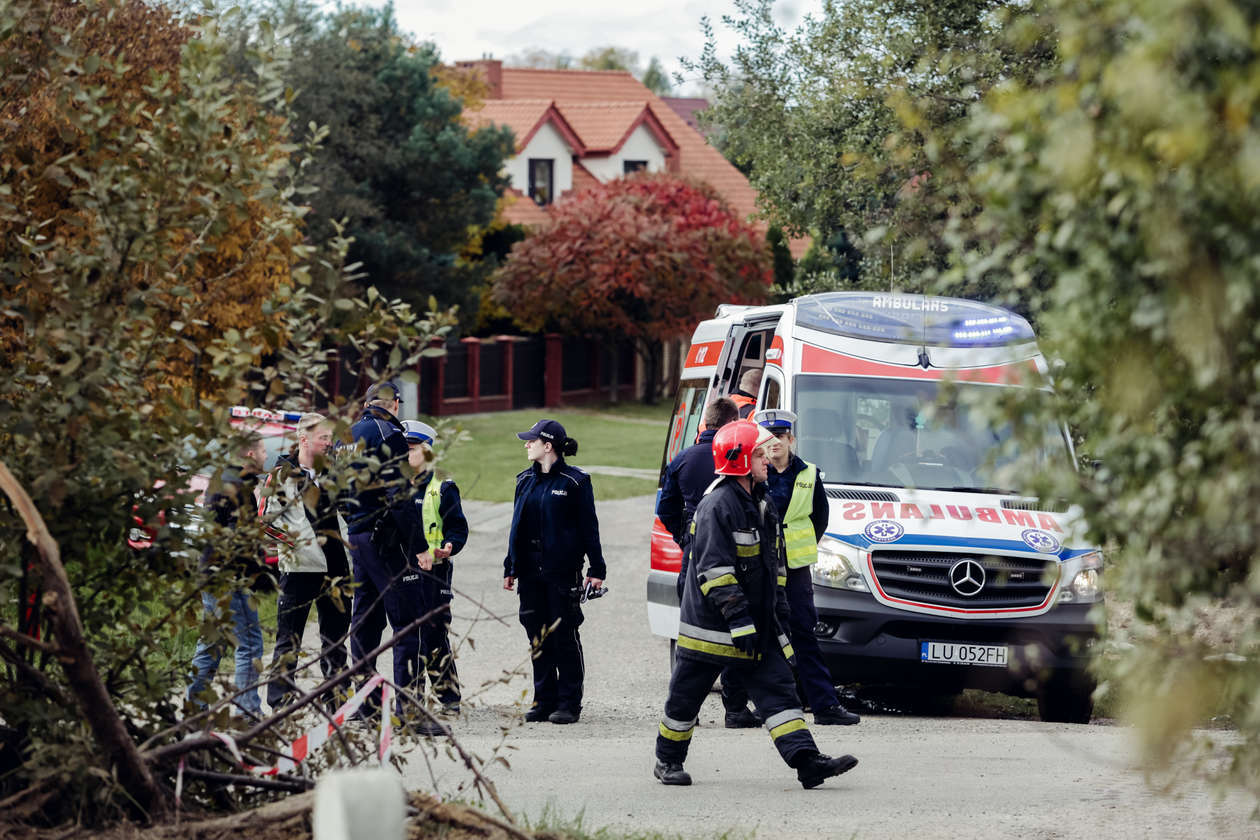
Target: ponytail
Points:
(569, 447)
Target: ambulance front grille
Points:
(1010, 582)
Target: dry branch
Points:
(72, 652)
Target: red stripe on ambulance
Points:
(817, 360)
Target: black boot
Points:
(817, 768)
(744, 718)
(538, 713)
(835, 716)
(671, 774)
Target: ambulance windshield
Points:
(892, 432)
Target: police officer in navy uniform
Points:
(797, 490)
(553, 528)
(387, 544)
(446, 531)
(686, 479)
(734, 612)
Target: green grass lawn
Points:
(619, 435)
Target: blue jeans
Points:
(249, 648)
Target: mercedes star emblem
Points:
(967, 578)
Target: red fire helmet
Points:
(733, 447)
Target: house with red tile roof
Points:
(579, 127)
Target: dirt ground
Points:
(289, 819)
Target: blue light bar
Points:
(934, 321)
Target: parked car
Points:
(278, 430)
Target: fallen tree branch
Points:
(28, 641)
(80, 669)
(191, 744)
(36, 676)
(289, 784)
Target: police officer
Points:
(446, 531)
(734, 612)
(387, 545)
(686, 479)
(553, 528)
(797, 490)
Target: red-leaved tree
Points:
(638, 259)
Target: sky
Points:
(469, 29)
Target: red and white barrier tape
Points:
(316, 736)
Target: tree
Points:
(598, 58)
(639, 259)
(405, 174)
(217, 239)
(836, 122)
(1121, 199)
(111, 253)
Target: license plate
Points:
(953, 653)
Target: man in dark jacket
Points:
(686, 479)
(232, 506)
(446, 530)
(387, 544)
(797, 490)
(734, 612)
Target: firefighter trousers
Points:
(769, 682)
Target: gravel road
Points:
(918, 776)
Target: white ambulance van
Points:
(928, 575)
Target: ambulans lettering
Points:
(907, 511)
(908, 303)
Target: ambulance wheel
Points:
(1067, 697)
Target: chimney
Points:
(491, 72)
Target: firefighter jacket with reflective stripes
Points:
(441, 513)
(560, 505)
(736, 577)
(802, 504)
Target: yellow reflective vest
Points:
(798, 528)
(430, 516)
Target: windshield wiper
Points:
(994, 490)
(860, 483)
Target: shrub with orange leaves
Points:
(126, 163)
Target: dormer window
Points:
(542, 180)
(629, 167)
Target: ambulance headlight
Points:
(1086, 586)
(838, 565)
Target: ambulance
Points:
(929, 575)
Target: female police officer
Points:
(553, 528)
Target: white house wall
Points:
(546, 143)
(641, 145)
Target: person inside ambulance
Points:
(734, 613)
(796, 487)
(446, 531)
(745, 396)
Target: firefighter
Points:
(553, 528)
(734, 612)
(686, 479)
(797, 490)
(446, 531)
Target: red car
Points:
(278, 430)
